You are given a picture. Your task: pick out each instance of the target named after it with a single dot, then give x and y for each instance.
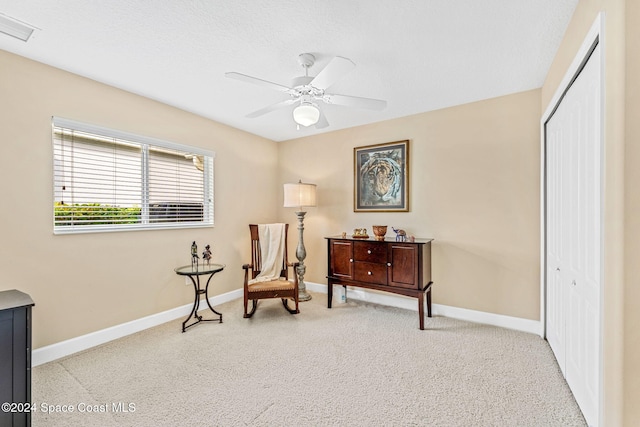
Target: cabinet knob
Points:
(350, 259)
(369, 273)
(369, 251)
(388, 264)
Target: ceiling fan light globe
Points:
(306, 115)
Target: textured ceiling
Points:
(418, 55)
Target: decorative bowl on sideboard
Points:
(379, 231)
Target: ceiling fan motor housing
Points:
(302, 88)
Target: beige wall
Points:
(84, 283)
(474, 180)
(632, 217)
(621, 360)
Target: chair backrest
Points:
(256, 256)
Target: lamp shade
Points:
(299, 195)
(306, 114)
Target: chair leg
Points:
(253, 308)
(285, 302)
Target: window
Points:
(106, 180)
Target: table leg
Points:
(421, 310)
(196, 303)
(206, 296)
(198, 291)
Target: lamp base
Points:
(301, 254)
(303, 295)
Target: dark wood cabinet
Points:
(386, 265)
(15, 357)
(341, 252)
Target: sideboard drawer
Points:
(370, 252)
(371, 272)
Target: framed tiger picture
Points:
(381, 177)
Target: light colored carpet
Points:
(356, 364)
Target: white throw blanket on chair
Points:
(272, 252)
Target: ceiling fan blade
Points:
(322, 121)
(336, 68)
(259, 82)
(271, 108)
(355, 101)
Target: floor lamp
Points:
(298, 196)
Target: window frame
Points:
(144, 142)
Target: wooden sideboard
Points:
(385, 265)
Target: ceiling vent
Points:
(14, 28)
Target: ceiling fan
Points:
(309, 92)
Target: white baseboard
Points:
(64, 348)
(393, 300)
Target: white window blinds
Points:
(106, 180)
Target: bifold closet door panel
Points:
(573, 235)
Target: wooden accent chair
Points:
(281, 288)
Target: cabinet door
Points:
(6, 363)
(14, 374)
(403, 271)
(341, 259)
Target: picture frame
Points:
(381, 177)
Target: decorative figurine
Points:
(401, 235)
(194, 255)
(360, 233)
(206, 255)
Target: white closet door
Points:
(557, 293)
(574, 252)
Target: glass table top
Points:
(189, 270)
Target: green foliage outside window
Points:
(95, 214)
